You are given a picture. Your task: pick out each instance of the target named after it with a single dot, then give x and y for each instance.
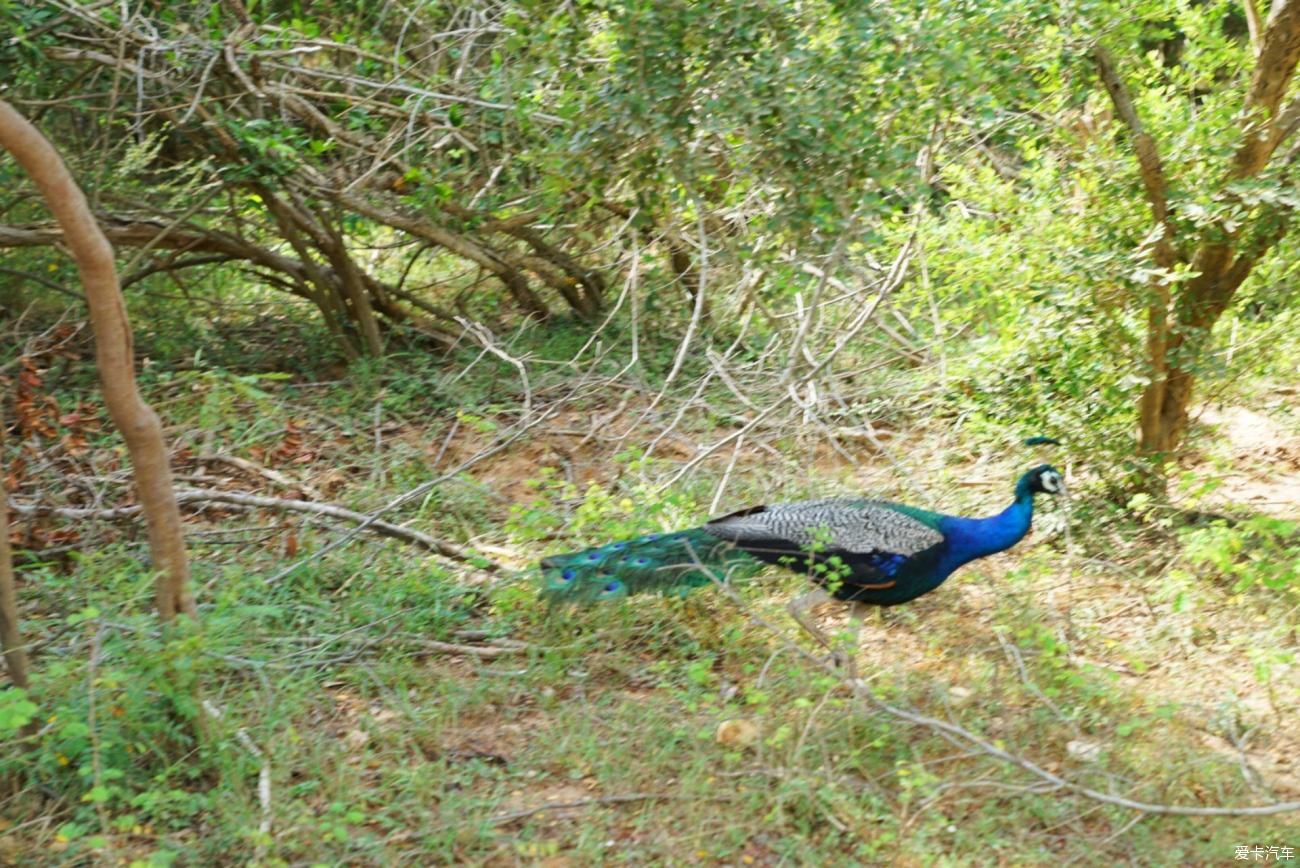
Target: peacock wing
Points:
(844, 526)
(843, 543)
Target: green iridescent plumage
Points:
(655, 563)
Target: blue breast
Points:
(965, 540)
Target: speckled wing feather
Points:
(850, 525)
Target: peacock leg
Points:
(801, 610)
(856, 617)
(849, 655)
(843, 655)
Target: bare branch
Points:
(488, 342)
(258, 470)
(1148, 156)
(892, 281)
(256, 501)
(487, 652)
(1263, 129)
(512, 816)
(174, 263)
(263, 775)
(1255, 26)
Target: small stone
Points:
(736, 733)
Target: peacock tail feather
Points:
(663, 563)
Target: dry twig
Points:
(263, 775)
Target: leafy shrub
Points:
(1260, 550)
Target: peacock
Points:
(861, 551)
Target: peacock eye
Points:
(568, 575)
(612, 587)
(641, 562)
(594, 556)
(618, 547)
(651, 537)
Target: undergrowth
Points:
(593, 736)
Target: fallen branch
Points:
(485, 651)
(420, 491)
(263, 775)
(512, 816)
(203, 495)
(258, 470)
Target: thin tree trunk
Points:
(684, 267)
(1166, 402)
(135, 419)
(363, 312)
(11, 634)
(1151, 405)
(327, 294)
(1182, 316)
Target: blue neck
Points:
(971, 538)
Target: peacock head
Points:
(1044, 479)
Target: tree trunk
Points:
(1181, 316)
(1164, 411)
(11, 634)
(354, 290)
(136, 420)
(1166, 401)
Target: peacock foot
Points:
(844, 662)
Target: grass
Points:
(1118, 663)
(381, 752)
